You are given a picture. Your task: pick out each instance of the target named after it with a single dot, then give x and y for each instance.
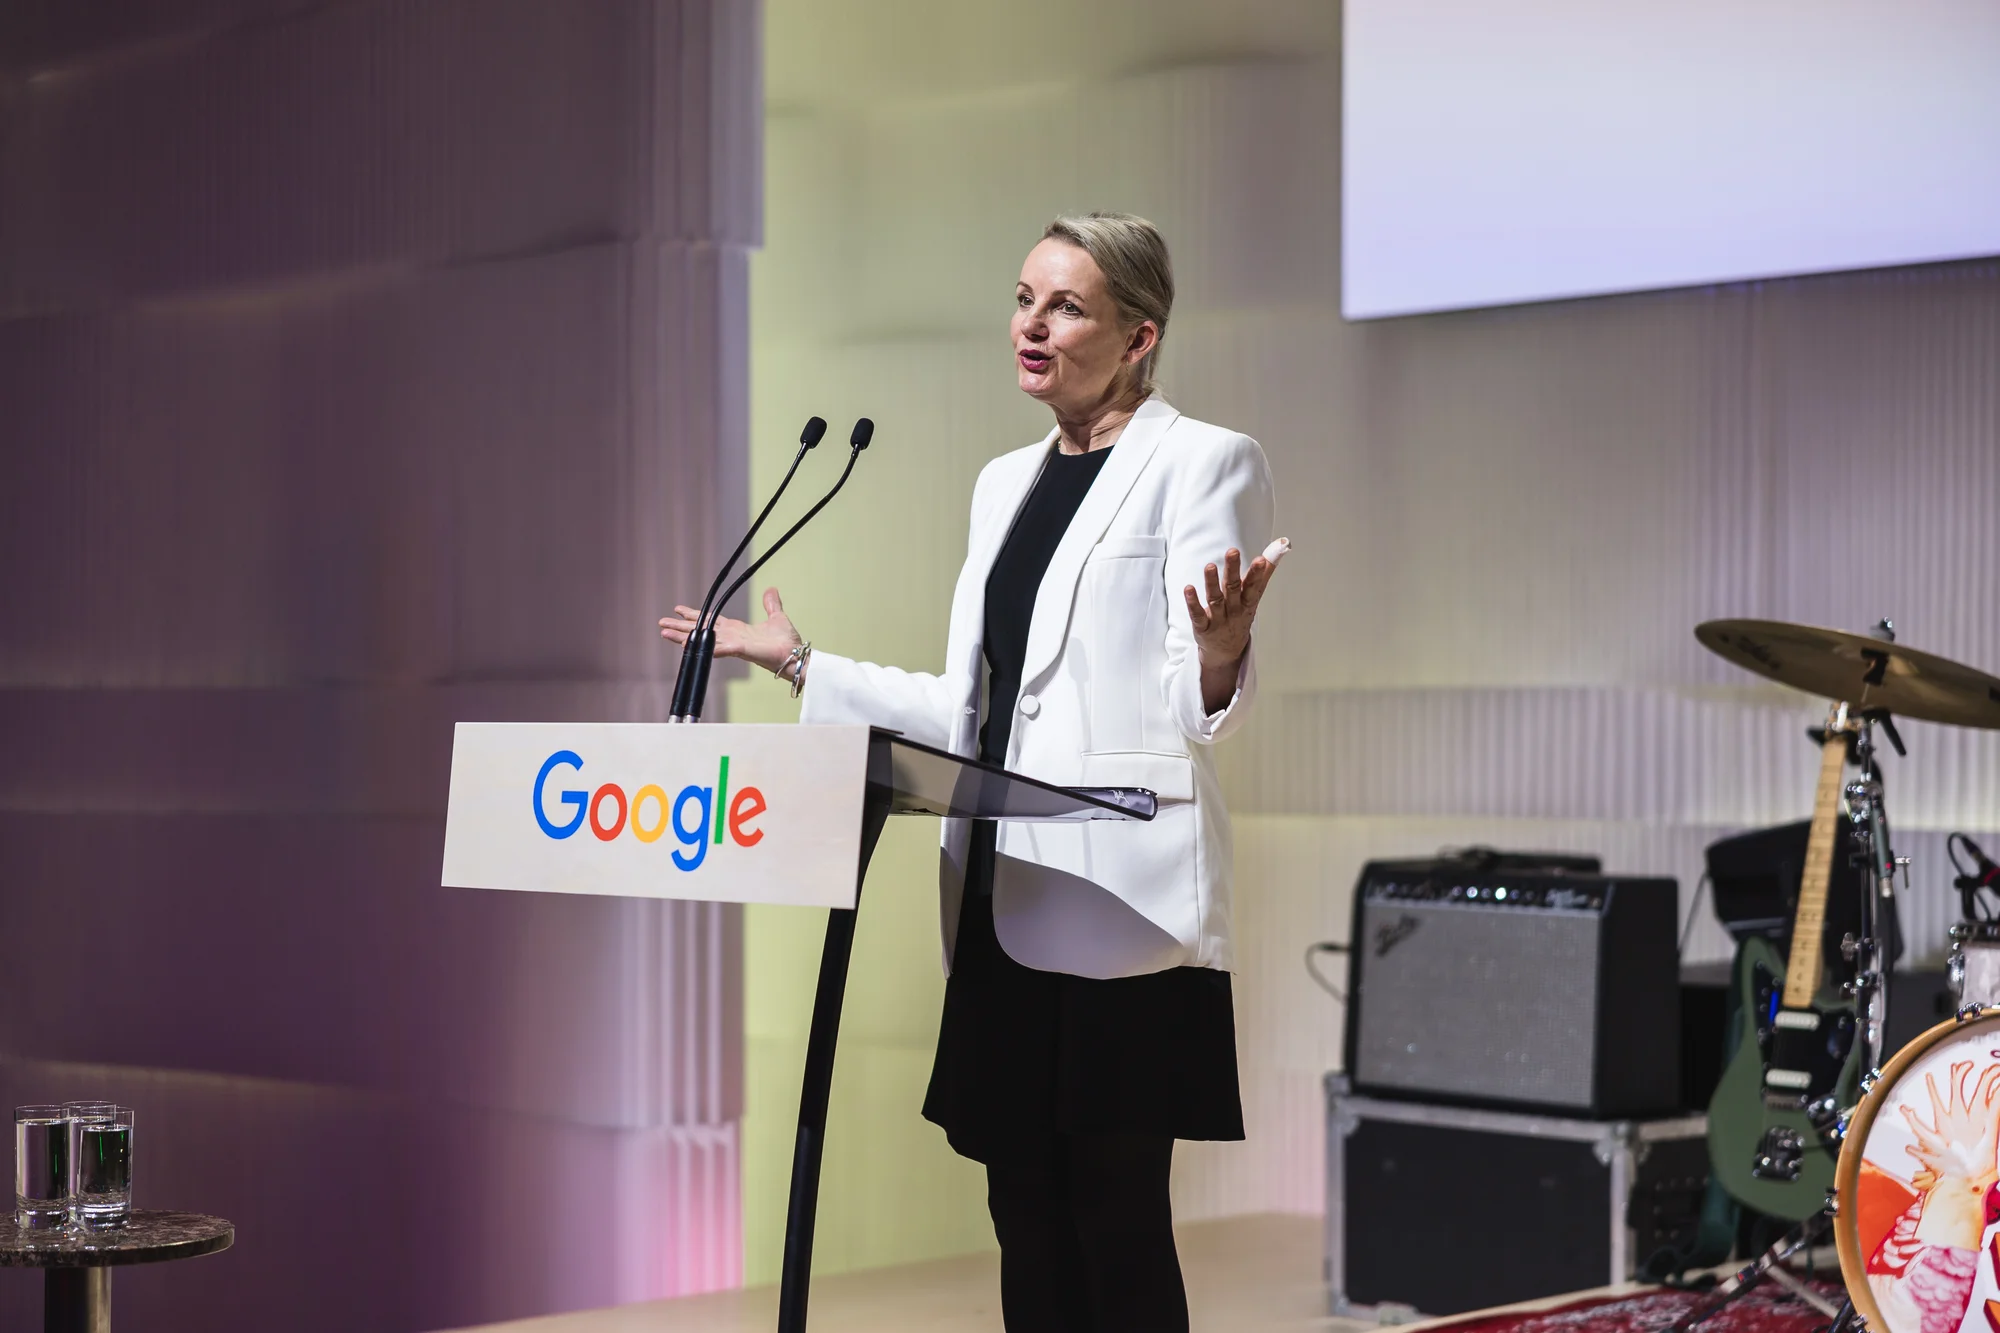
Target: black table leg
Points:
(802, 1212)
(76, 1300)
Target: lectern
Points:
(772, 814)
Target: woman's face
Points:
(1069, 349)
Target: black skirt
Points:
(1025, 1055)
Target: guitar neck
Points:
(1803, 969)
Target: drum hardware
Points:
(1801, 1237)
(1972, 969)
(1780, 1275)
(1868, 817)
(1880, 679)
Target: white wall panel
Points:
(376, 133)
(367, 366)
(1569, 752)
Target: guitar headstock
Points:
(1841, 724)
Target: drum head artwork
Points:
(1919, 1221)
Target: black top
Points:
(1016, 577)
(1025, 1055)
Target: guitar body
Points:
(1760, 1135)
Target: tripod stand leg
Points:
(1801, 1237)
(802, 1210)
(1802, 1291)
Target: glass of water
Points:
(41, 1167)
(100, 1161)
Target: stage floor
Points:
(1244, 1275)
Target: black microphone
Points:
(864, 431)
(699, 651)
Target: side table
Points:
(76, 1293)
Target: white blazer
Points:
(1110, 696)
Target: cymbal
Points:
(1857, 669)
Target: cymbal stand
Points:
(1869, 821)
(1869, 818)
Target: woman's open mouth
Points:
(1033, 360)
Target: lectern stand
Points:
(904, 778)
(767, 814)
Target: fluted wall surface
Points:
(1507, 524)
(364, 367)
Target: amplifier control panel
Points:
(1554, 893)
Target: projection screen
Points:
(1502, 151)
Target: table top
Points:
(148, 1237)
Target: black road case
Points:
(1454, 1208)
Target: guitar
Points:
(1796, 1060)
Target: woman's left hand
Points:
(1222, 622)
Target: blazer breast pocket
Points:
(1130, 548)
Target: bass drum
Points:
(1915, 1185)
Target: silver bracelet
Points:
(796, 660)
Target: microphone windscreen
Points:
(864, 431)
(811, 435)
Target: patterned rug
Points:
(1767, 1309)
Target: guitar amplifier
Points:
(1515, 988)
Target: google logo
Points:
(709, 802)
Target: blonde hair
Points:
(1132, 255)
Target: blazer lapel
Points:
(1055, 599)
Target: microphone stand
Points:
(701, 643)
(699, 650)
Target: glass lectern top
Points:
(927, 781)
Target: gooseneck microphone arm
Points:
(864, 430)
(699, 651)
(815, 430)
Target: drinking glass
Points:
(100, 1156)
(41, 1167)
(87, 1110)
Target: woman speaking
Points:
(1105, 607)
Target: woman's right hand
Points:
(767, 645)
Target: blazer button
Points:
(1030, 705)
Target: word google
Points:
(710, 803)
